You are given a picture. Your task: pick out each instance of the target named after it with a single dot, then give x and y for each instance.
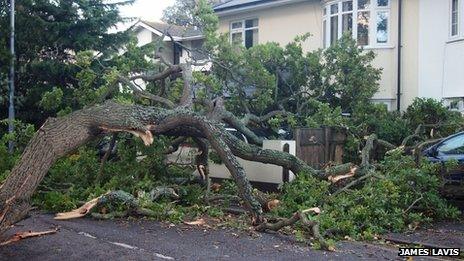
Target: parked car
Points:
(451, 148)
(264, 176)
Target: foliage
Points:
(312, 84)
(349, 79)
(325, 115)
(316, 87)
(48, 34)
(375, 118)
(21, 136)
(184, 12)
(135, 169)
(433, 114)
(399, 197)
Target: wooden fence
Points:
(319, 146)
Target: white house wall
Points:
(441, 61)
(144, 37)
(453, 85)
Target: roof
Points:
(175, 31)
(234, 5)
(231, 4)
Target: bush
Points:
(21, 136)
(375, 118)
(427, 111)
(401, 196)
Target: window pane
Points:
(237, 38)
(197, 50)
(452, 146)
(333, 29)
(347, 23)
(236, 25)
(454, 30)
(382, 27)
(251, 38)
(324, 33)
(363, 28)
(347, 6)
(363, 4)
(251, 23)
(454, 17)
(334, 9)
(382, 2)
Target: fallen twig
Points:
(353, 183)
(299, 216)
(335, 179)
(413, 204)
(23, 235)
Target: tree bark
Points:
(59, 137)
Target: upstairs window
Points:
(244, 32)
(367, 21)
(454, 17)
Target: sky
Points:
(151, 10)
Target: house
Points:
(181, 44)
(419, 43)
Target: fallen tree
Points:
(197, 112)
(58, 137)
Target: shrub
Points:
(21, 136)
(427, 111)
(400, 195)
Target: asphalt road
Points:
(90, 239)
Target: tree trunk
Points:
(59, 137)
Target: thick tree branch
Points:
(59, 137)
(144, 94)
(151, 76)
(187, 92)
(260, 119)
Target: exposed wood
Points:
(125, 198)
(79, 212)
(340, 172)
(352, 184)
(23, 235)
(266, 201)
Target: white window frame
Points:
(458, 22)
(325, 33)
(373, 10)
(242, 29)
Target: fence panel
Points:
(319, 146)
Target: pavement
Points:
(91, 239)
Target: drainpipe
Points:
(400, 46)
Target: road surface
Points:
(90, 239)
